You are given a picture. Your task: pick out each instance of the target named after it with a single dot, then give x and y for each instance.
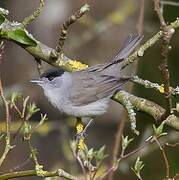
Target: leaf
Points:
(21, 36)
(159, 130)
(13, 97)
(2, 19)
(126, 142)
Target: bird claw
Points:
(80, 135)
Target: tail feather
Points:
(127, 47)
(114, 66)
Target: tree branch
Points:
(8, 146)
(29, 19)
(149, 107)
(52, 57)
(73, 18)
(167, 35)
(149, 43)
(59, 173)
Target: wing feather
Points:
(92, 87)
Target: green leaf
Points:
(13, 97)
(43, 117)
(126, 142)
(1, 136)
(31, 109)
(2, 19)
(159, 130)
(21, 36)
(25, 101)
(26, 128)
(138, 165)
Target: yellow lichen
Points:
(79, 129)
(77, 65)
(39, 170)
(161, 89)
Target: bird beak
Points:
(38, 81)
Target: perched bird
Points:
(86, 93)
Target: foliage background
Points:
(90, 47)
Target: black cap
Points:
(52, 73)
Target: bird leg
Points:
(81, 132)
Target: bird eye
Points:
(50, 78)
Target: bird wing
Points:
(90, 87)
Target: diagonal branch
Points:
(72, 19)
(148, 44)
(29, 19)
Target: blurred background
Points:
(94, 39)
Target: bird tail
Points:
(127, 47)
(113, 67)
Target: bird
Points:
(86, 93)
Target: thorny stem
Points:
(167, 34)
(8, 147)
(28, 20)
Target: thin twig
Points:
(166, 164)
(150, 141)
(82, 166)
(124, 115)
(21, 114)
(149, 43)
(73, 18)
(114, 166)
(167, 35)
(8, 147)
(176, 176)
(172, 3)
(171, 145)
(32, 151)
(43, 118)
(30, 18)
(141, 17)
(20, 165)
(118, 141)
(1, 50)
